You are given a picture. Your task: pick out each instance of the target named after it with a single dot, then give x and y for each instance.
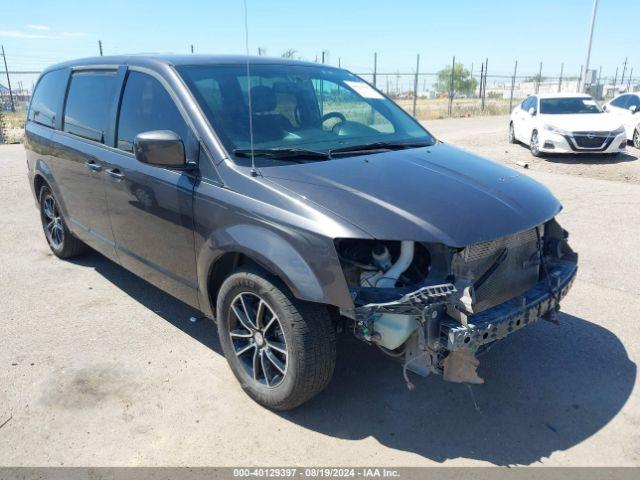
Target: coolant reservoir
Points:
(394, 329)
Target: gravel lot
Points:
(99, 368)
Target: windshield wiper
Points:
(367, 147)
(281, 153)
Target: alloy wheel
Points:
(258, 339)
(535, 148)
(52, 221)
(636, 139)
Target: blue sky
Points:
(37, 33)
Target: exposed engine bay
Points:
(435, 308)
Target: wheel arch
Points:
(230, 248)
(38, 182)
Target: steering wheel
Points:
(337, 115)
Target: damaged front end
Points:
(435, 308)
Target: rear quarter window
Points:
(47, 97)
(87, 112)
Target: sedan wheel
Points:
(512, 134)
(534, 145)
(636, 138)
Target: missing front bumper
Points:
(504, 319)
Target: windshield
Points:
(299, 107)
(564, 106)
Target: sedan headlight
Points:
(552, 129)
(618, 131)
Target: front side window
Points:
(147, 106)
(47, 97)
(297, 107)
(568, 106)
(87, 112)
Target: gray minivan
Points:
(292, 201)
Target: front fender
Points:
(305, 262)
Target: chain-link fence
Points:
(16, 88)
(457, 90)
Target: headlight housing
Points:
(552, 129)
(618, 131)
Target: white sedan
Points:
(626, 109)
(566, 123)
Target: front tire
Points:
(281, 350)
(512, 134)
(636, 138)
(61, 241)
(534, 144)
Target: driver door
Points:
(151, 207)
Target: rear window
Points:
(87, 113)
(47, 97)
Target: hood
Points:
(583, 122)
(436, 194)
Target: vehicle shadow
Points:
(631, 155)
(595, 159)
(548, 387)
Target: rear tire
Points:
(534, 144)
(279, 363)
(61, 241)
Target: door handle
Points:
(93, 166)
(115, 173)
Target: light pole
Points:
(586, 63)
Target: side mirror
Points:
(162, 148)
(532, 111)
(633, 108)
(604, 108)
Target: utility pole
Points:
(192, 48)
(100, 47)
(586, 62)
(6, 69)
